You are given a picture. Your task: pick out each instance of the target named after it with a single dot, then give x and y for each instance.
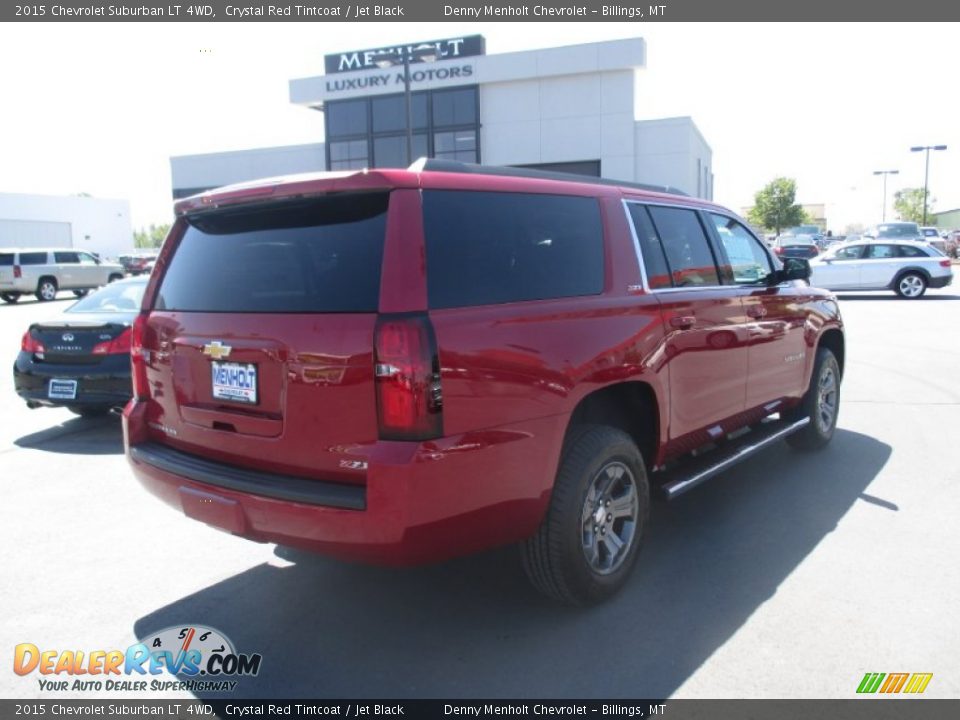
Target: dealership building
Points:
(570, 109)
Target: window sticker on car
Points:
(236, 382)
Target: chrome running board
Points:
(687, 476)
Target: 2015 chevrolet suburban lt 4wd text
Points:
(403, 366)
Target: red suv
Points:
(403, 366)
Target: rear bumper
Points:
(421, 502)
(941, 282)
(106, 383)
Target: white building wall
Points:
(671, 151)
(192, 172)
(99, 225)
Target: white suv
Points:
(45, 271)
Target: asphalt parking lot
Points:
(788, 577)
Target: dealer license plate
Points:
(236, 382)
(62, 389)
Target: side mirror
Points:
(793, 269)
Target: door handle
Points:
(757, 311)
(683, 322)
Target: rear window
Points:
(33, 258)
(485, 248)
(6, 259)
(906, 230)
(909, 251)
(321, 255)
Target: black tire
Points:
(566, 559)
(911, 285)
(821, 403)
(46, 289)
(10, 298)
(89, 411)
(80, 293)
(114, 277)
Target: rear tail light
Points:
(138, 358)
(120, 345)
(407, 376)
(31, 345)
(945, 262)
(778, 250)
(17, 272)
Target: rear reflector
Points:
(138, 358)
(120, 345)
(407, 376)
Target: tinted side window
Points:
(6, 259)
(487, 247)
(310, 256)
(875, 252)
(654, 261)
(908, 251)
(685, 243)
(33, 258)
(748, 261)
(70, 258)
(849, 253)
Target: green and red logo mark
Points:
(912, 683)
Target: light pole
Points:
(885, 173)
(926, 171)
(421, 53)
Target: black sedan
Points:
(81, 359)
(789, 246)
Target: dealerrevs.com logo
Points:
(204, 656)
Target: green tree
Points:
(909, 204)
(151, 237)
(773, 206)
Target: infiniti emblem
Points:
(67, 337)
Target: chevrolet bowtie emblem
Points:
(217, 350)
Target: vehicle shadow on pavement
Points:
(79, 436)
(473, 628)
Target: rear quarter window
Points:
(33, 258)
(322, 255)
(6, 259)
(486, 248)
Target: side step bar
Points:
(687, 475)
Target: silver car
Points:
(908, 267)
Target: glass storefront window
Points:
(390, 113)
(391, 151)
(455, 107)
(346, 118)
(348, 154)
(371, 132)
(456, 145)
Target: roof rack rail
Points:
(452, 166)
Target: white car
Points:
(908, 267)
